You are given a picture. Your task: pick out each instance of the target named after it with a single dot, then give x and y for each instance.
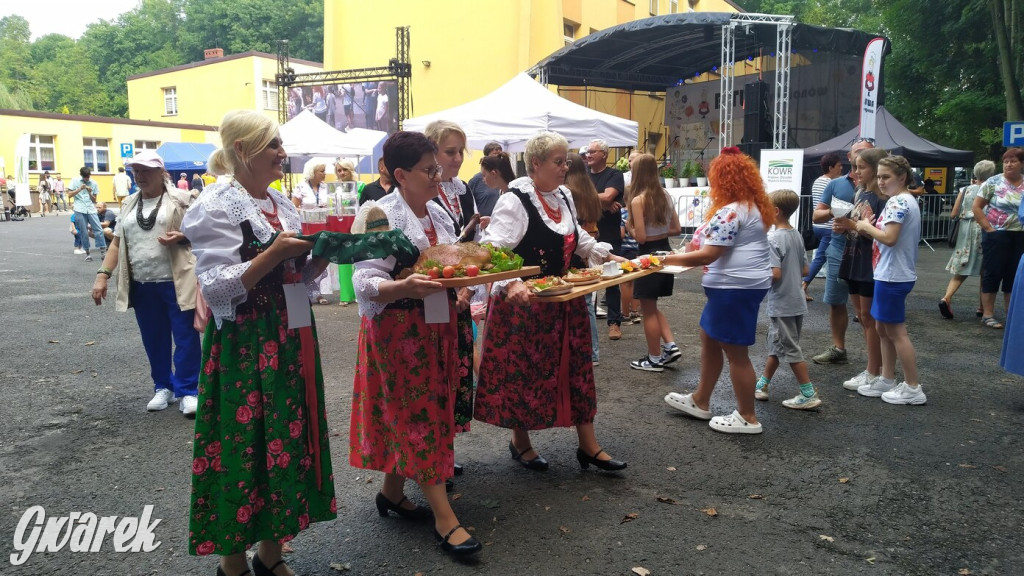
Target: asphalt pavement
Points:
(855, 487)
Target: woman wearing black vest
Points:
(452, 193)
(536, 370)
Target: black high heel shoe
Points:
(586, 461)
(538, 464)
(260, 569)
(383, 505)
(470, 546)
(458, 469)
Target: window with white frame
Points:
(96, 152)
(41, 153)
(654, 7)
(146, 145)
(171, 101)
(569, 31)
(269, 95)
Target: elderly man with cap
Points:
(157, 279)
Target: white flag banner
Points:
(870, 84)
(783, 169)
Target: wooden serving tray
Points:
(488, 278)
(578, 291)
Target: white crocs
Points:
(684, 403)
(734, 424)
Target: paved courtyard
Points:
(855, 487)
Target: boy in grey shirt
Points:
(786, 304)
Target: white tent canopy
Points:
(307, 135)
(520, 109)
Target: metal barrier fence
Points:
(935, 209)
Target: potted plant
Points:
(702, 179)
(689, 172)
(668, 172)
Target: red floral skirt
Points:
(412, 392)
(536, 369)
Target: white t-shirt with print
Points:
(898, 263)
(746, 264)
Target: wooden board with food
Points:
(589, 280)
(469, 264)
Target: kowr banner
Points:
(871, 81)
(783, 170)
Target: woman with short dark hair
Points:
(1002, 242)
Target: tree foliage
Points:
(88, 76)
(947, 78)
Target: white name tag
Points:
(297, 300)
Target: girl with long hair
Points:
(652, 219)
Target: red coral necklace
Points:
(555, 215)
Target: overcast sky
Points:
(68, 17)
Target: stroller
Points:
(14, 212)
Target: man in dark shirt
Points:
(107, 220)
(610, 187)
(485, 196)
(380, 187)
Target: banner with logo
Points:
(783, 170)
(871, 82)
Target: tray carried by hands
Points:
(484, 278)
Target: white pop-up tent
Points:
(307, 135)
(520, 109)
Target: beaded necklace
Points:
(431, 232)
(555, 215)
(456, 209)
(148, 222)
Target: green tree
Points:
(15, 57)
(239, 26)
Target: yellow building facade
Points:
(62, 144)
(461, 50)
(202, 92)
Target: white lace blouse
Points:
(509, 221)
(368, 275)
(213, 226)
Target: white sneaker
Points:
(79, 251)
(188, 406)
(904, 393)
(876, 388)
(600, 313)
(160, 400)
(859, 380)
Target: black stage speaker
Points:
(753, 149)
(757, 118)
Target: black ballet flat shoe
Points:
(260, 569)
(221, 572)
(449, 485)
(458, 469)
(383, 505)
(538, 464)
(471, 546)
(586, 461)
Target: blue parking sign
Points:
(1013, 134)
(127, 150)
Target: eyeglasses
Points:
(589, 152)
(562, 162)
(431, 171)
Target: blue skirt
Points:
(1013, 337)
(730, 315)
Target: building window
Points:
(146, 145)
(41, 153)
(674, 6)
(569, 31)
(654, 7)
(170, 101)
(97, 154)
(269, 95)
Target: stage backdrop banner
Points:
(871, 79)
(783, 170)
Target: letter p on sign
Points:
(1013, 134)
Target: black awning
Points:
(654, 53)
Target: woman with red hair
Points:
(737, 275)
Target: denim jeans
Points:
(83, 221)
(824, 236)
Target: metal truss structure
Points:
(399, 70)
(783, 53)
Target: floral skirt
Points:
(536, 370)
(254, 469)
(966, 257)
(413, 390)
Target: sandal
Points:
(945, 309)
(321, 300)
(992, 323)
